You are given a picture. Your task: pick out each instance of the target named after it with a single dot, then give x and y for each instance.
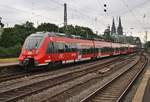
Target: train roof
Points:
(73, 37)
(53, 34)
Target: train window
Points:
(67, 48)
(70, 47)
(60, 47)
(87, 51)
(50, 48)
(92, 50)
(96, 50)
(83, 51)
(102, 49)
(99, 50)
(80, 51)
(106, 49)
(55, 45)
(122, 48)
(118, 49)
(73, 47)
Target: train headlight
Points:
(29, 53)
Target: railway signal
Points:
(105, 7)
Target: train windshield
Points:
(33, 42)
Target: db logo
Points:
(29, 53)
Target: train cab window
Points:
(33, 42)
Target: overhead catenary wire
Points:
(73, 8)
(33, 15)
(131, 11)
(28, 12)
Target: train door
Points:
(98, 50)
(54, 55)
(110, 49)
(94, 50)
(79, 52)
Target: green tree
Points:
(8, 38)
(16, 35)
(69, 29)
(47, 27)
(84, 32)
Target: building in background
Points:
(113, 27)
(118, 37)
(120, 28)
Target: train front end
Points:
(31, 54)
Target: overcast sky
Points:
(134, 13)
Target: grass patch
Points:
(8, 60)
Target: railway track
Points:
(76, 91)
(115, 89)
(23, 73)
(63, 95)
(21, 92)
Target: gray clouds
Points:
(80, 12)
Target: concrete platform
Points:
(146, 97)
(8, 64)
(143, 91)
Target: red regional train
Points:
(48, 48)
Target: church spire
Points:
(120, 29)
(113, 27)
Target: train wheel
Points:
(58, 64)
(93, 58)
(50, 65)
(28, 68)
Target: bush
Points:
(10, 52)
